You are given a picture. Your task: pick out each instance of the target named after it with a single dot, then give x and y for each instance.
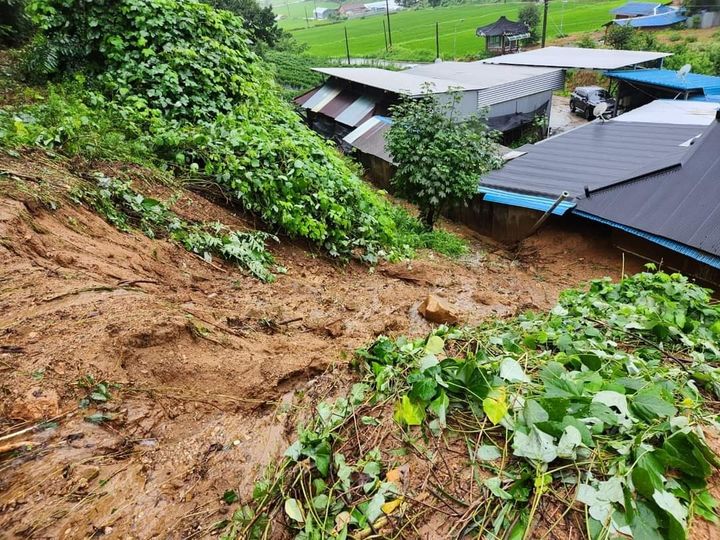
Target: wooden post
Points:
(437, 39)
(387, 14)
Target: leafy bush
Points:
(439, 159)
(15, 25)
(293, 71)
(259, 21)
(124, 207)
(586, 42)
(620, 37)
(597, 406)
(183, 71)
(530, 15)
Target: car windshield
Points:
(602, 94)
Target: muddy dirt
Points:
(206, 365)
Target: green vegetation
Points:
(414, 29)
(194, 99)
(259, 21)
(125, 208)
(440, 159)
(15, 26)
(594, 409)
(530, 15)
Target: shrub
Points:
(15, 26)
(259, 21)
(440, 160)
(620, 37)
(586, 42)
(530, 15)
(184, 72)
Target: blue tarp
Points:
(659, 20)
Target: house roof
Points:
(343, 104)
(673, 111)
(369, 137)
(478, 75)
(668, 78)
(443, 76)
(658, 20)
(577, 58)
(635, 9)
(680, 205)
(596, 155)
(399, 82)
(502, 27)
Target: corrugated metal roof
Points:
(369, 137)
(357, 112)
(550, 81)
(595, 155)
(543, 204)
(577, 58)
(673, 111)
(658, 20)
(399, 82)
(682, 204)
(478, 75)
(633, 9)
(667, 78)
(338, 104)
(324, 95)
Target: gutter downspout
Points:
(564, 195)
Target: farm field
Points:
(414, 30)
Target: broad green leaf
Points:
(488, 452)
(534, 413)
(294, 511)
(512, 371)
(668, 502)
(495, 406)
(537, 446)
(494, 485)
(439, 407)
(434, 345)
(569, 442)
(649, 406)
(409, 412)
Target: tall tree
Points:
(259, 21)
(530, 15)
(439, 156)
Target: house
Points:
(648, 178)
(503, 36)
(648, 15)
(383, 7)
(637, 87)
(352, 10)
(322, 13)
(511, 96)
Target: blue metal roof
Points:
(533, 202)
(658, 20)
(668, 78)
(634, 9)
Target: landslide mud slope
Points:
(207, 367)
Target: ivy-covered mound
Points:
(585, 422)
(182, 76)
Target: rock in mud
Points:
(37, 404)
(437, 310)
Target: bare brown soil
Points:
(209, 364)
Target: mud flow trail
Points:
(140, 382)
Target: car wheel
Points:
(589, 112)
(572, 107)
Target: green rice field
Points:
(413, 30)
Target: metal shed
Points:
(579, 58)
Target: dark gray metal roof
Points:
(681, 204)
(596, 155)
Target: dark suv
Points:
(586, 98)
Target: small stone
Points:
(437, 310)
(37, 404)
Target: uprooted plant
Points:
(124, 207)
(590, 417)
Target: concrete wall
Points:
(707, 19)
(504, 223)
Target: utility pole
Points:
(385, 36)
(387, 14)
(347, 46)
(544, 30)
(437, 40)
(307, 22)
